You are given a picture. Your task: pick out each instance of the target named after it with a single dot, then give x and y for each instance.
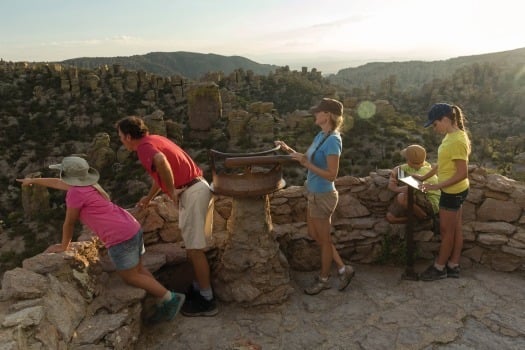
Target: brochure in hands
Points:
(409, 180)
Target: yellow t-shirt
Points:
(455, 146)
(432, 196)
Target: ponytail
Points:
(459, 118)
(101, 191)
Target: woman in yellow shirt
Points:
(452, 172)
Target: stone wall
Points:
(75, 300)
(65, 301)
(493, 223)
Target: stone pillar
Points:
(251, 269)
(237, 121)
(100, 155)
(204, 106)
(35, 199)
(155, 122)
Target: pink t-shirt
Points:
(111, 223)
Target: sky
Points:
(325, 34)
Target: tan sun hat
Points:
(75, 171)
(415, 155)
(328, 105)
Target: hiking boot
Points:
(345, 278)
(199, 306)
(453, 272)
(168, 309)
(317, 286)
(432, 274)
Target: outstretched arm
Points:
(284, 146)
(431, 173)
(51, 182)
(144, 201)
(460, 174)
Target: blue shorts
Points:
(452, 201)
(126, 255)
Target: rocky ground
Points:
(481, 310)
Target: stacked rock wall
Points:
(493, 223)
(63, 301)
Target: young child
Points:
(426, 204)
(117, 229)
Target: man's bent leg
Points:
(200, 266)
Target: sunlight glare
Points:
(366, 110)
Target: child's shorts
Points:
(126, 255)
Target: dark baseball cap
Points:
(437, 111)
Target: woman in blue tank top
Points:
(322, 162)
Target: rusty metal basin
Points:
(247, 174)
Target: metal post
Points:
(409, 273)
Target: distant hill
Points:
(188, 64)
(414, 74)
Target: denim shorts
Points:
(452, 201)
(126, 255)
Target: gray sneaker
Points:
(433, 274)
(318, 286)
(345, 278)
(453, 272)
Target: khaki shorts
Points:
(421, 201)
(322, 205)
(196, 215)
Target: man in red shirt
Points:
(177, 175)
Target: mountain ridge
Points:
(415, 73)
(412, 74)
(188, 64)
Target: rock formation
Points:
(100, 155)
(35, 199)
(204, 106)
(155, 122)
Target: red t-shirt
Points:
(183, 167)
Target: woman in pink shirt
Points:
(120, 232)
